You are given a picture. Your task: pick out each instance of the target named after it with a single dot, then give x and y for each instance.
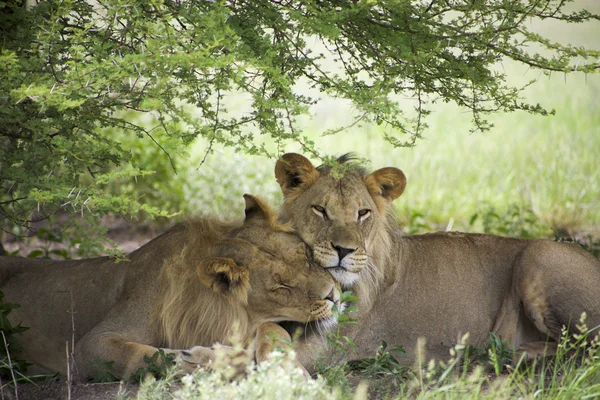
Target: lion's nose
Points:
(333, 296)
(342, 251)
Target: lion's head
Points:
(343, 219)
(285, 284)
(259, 272)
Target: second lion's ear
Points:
(385, 185)
(257, 211)
(294, 173)
(224, 276)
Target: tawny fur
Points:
(182, 318)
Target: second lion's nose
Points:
(342, 251)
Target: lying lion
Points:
(440, 285)
(188, 288)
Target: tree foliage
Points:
(78, 77)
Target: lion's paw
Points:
(194, 358)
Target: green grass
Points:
(548, 165)
(544, 164)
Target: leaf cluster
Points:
(11, 346)
(157, 365)
(383, 364)
(515, 220)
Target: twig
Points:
(12, 372)
(68, 371)
(163, 150)
(212, 139)
(72, 312)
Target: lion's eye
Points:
(280, 282)
(320, 211)
(284, 289)
(364, 213)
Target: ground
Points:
(59, 390)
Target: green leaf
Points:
(35, 254)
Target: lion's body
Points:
(55, 295)
(444, 285)
(182, 289)
(436, 286)
(47, 312)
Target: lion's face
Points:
(284, 284)
(337, 217)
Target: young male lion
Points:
(440, 285)
(194, 285)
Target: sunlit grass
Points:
(546, 164)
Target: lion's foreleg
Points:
(270, 337)
(93, 353)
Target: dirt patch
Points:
(58, 390)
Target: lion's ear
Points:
(258, 211)
(224, 276)
(294, 172)
(386, 183)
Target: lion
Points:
(439, 285)
(197, 284)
